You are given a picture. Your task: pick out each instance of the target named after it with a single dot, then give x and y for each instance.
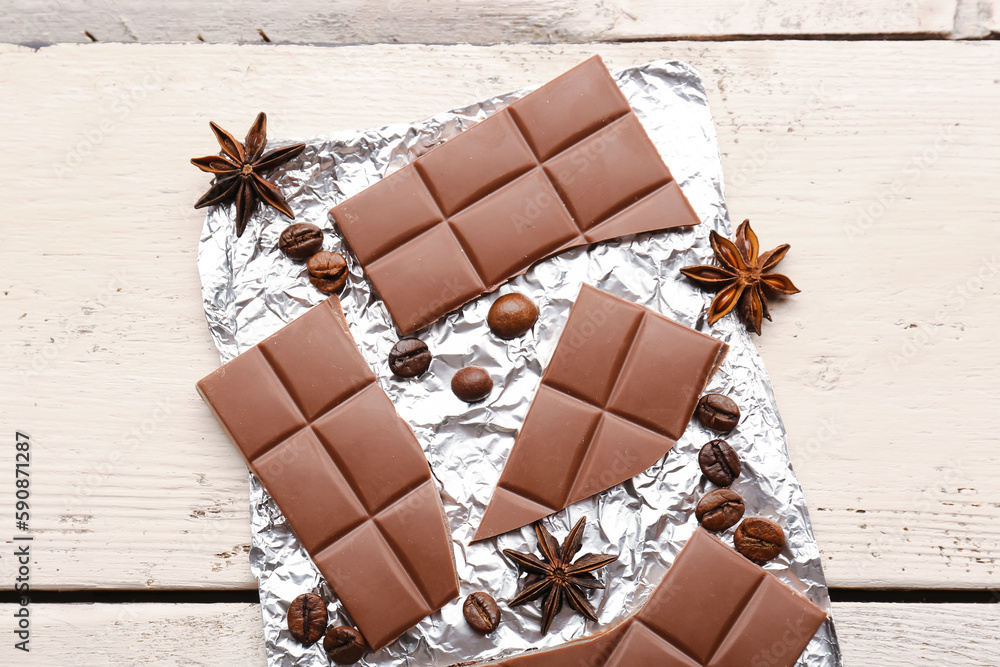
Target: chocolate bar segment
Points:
(305, 411)
(567, 165)
(713, 608)
(619, 392)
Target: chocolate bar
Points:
(567, 165)
(350, 477)
(713, 608)
(617, 395)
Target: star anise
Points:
(556, 576)
(238, 172)
(743, 280)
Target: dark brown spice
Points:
(238, 172)
(556, 576)
(743, 278)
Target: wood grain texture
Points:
(876, 161)
(120, 635)
(988, 13)
(976, 19)
(944, 635)
(468, 21)
(168, 635)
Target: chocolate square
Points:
(701, 596)
(644, 648)
(501, 233)
(457, 174)
(362, 563)
(293, 471)
(381, 219)
(531, 464)
(260, 419)
(430, 274)
(773, 629)
(585, 94)
(659, 385)
(319, 371)
(607, 172)
(356, 434)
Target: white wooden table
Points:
(876, 157)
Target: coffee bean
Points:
(720, 509)
(307, 618)
(409, 357)
(327, 271)
(472, 384)
(719, 462)
(481, 612)
(301, 240)
(344, 645)
(759, 539)
(512, 315)
(718, 412)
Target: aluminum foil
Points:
(250, 290)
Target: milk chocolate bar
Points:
(713, 608)
(350, 477)
(567, 165)
(620, 390)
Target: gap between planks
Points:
(251, 595)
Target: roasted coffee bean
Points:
(409, 357)
(481, 612)
(719, 462)
(720, 509)
(472, 384)
(512, 315)
(759, 539)
(718, 412)
(301, 240)
(344, 645)
(327, 271)
(307, 618)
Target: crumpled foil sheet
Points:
(250, 290)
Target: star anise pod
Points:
(238, 172)
(556, 576)
(743, 280)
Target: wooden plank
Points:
(164, 635)
(883, 635)
(976, 19)
(881, 177)
(893, 354)
(439, 21)
(989, 13)
(886, 635)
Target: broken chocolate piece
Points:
(567, 165)
(618, 393)
(304, 409)
(713, 608)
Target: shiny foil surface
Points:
(251, 289)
